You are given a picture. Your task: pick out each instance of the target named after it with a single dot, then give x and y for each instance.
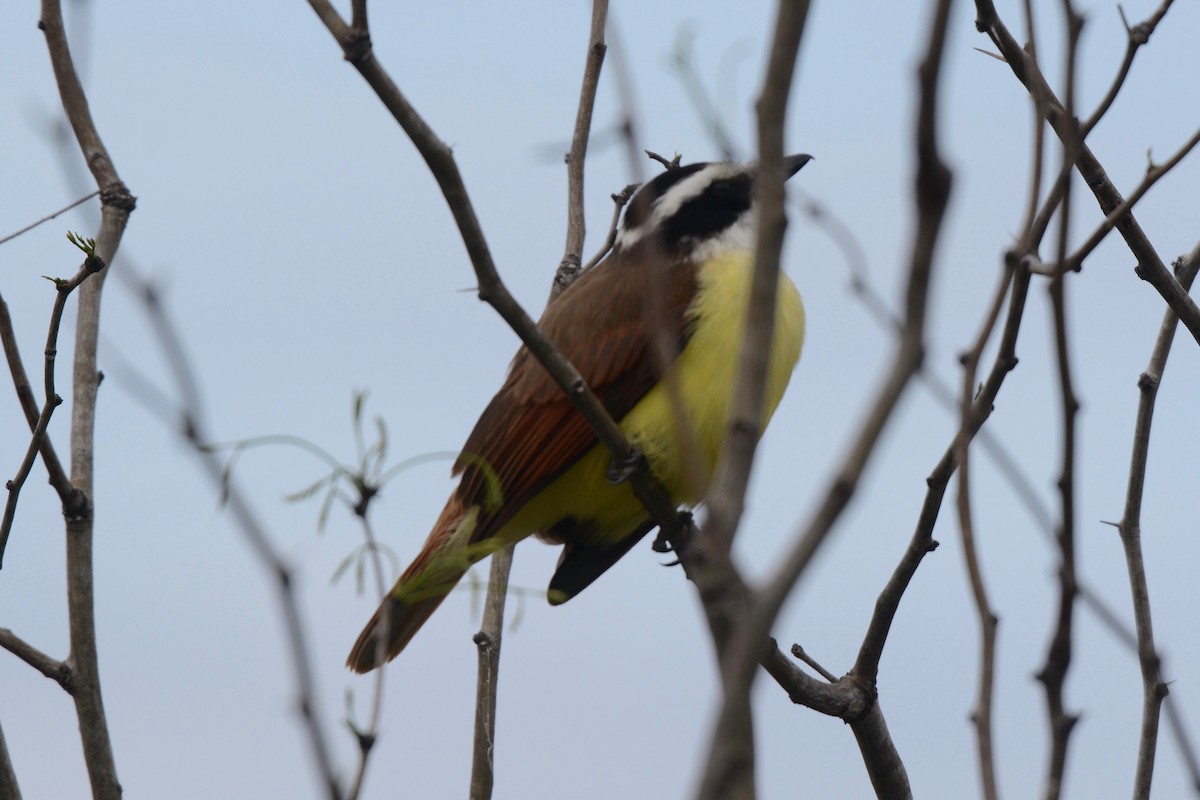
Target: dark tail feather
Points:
(435, 571)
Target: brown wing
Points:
(605, 324)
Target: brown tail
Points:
(436, 570)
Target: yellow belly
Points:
(682, 450)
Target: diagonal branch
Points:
(1150, 266)
(440, 160)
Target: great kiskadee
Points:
(655, 330)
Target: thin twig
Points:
(194, 433)
(91, 265)
(488, 640)
(620, 200)
(1153, 173)
(1150, 266)
(569, 267)
(981, 716)
(367, 738)
(1136, 36)
(866, 665)
(800, 653)
(48, 217)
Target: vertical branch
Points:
(725, 500)
(572, 259)
(116, 204)
(366, 738)
(932, 192)
(9, 788)
(489, 637)
(730, 765)
(1058, 658)
(1153, 688)
(981, 717)
(488, 642)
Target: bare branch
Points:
(1150, 265)
(1137, 36)
(9, 788)
(440, 160)
(194, 433)
(730, 764)
(1153, 173)
(569, 267)
(58, 671)
(1154, 690)
(488, 642)
(620, 200)
(367, 738)
(91, 265)
(1058, 657)
(49, 217)
(981, 717)
(932, 192)
(116, 205)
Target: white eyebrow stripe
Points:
(666, 206)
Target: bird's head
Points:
(699, 208)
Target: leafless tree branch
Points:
(1150, 265)
(1058, 657)
(440, 160)
(193, 431)
(1137, 36)
(730, 764)
(116, 205)
(1154, 690)
(58, 671)
(91, 265)
(9, 788)
(488, 640)
(48, 217)
(981, 717)
(570, 266)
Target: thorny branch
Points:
(1154, 690)
(1150, 266)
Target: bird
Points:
(655, 331)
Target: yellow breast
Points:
(680, 424)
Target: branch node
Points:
(118, 196)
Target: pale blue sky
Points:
(305, 253)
